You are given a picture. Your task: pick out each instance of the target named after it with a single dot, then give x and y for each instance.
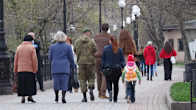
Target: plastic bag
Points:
(173, 60)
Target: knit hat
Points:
(130, 58)
(130, 61)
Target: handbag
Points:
(107, 71)
(173, 60)
(15, 85)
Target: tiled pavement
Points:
(150, 95)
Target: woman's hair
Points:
(127, 43)
(167, 47)
(28, 38)
(105, 27)
(114, 44)
(60, 36)
(69, 40)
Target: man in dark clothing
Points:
(101, 40)
(39, 75)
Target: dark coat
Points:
(101, 40)
(111, 59)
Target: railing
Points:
(45, 68)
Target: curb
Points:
(174, 105)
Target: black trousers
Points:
(113, 80)
(39, 76)
(167, 69)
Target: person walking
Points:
(73, 81)
(39, 75)
(85, 49)
(26, 66)
(112, 63)
(61, 58)
(101, 40)
(130, 74)
(166, 53)
(142, 61)
(150, 59)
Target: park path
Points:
(150, 95)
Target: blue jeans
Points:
(130, 89)
(149, 72)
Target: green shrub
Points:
(181, 92)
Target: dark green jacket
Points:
(85, 49)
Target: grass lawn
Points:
(181, 92)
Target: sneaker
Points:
(104, 97)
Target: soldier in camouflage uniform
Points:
(85, 49)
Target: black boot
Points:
(63, 96)
(23, 100)
(110, 96)
(30, 99)
(56, 96)
(84, 97)
(151, 77)
(92, 98)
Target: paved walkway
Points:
(150, 95)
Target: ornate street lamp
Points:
(135, 14)
(64, 17)
(100, 15)
(121, 4)
(5, 86)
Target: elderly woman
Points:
(61, 57)
(25, 65)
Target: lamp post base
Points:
(5, 73)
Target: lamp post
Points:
(5, 86)
(100, 15)
(121, 4)
(64, 17)
(135, 14)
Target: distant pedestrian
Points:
(142, 61)
(61, 58)
(101, 40)
(150, 58)
(130, 75)
(166, 53)
(26, 66)
(73, 81)
(112, 64)
(85, 49)
(39, 75)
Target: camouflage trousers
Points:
(86, 76)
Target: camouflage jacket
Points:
(85, 49)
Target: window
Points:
(171, 41)
(180, 45)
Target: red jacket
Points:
(163, 54)
(150, 55)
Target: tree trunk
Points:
(187, 56)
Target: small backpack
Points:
(130, 74)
